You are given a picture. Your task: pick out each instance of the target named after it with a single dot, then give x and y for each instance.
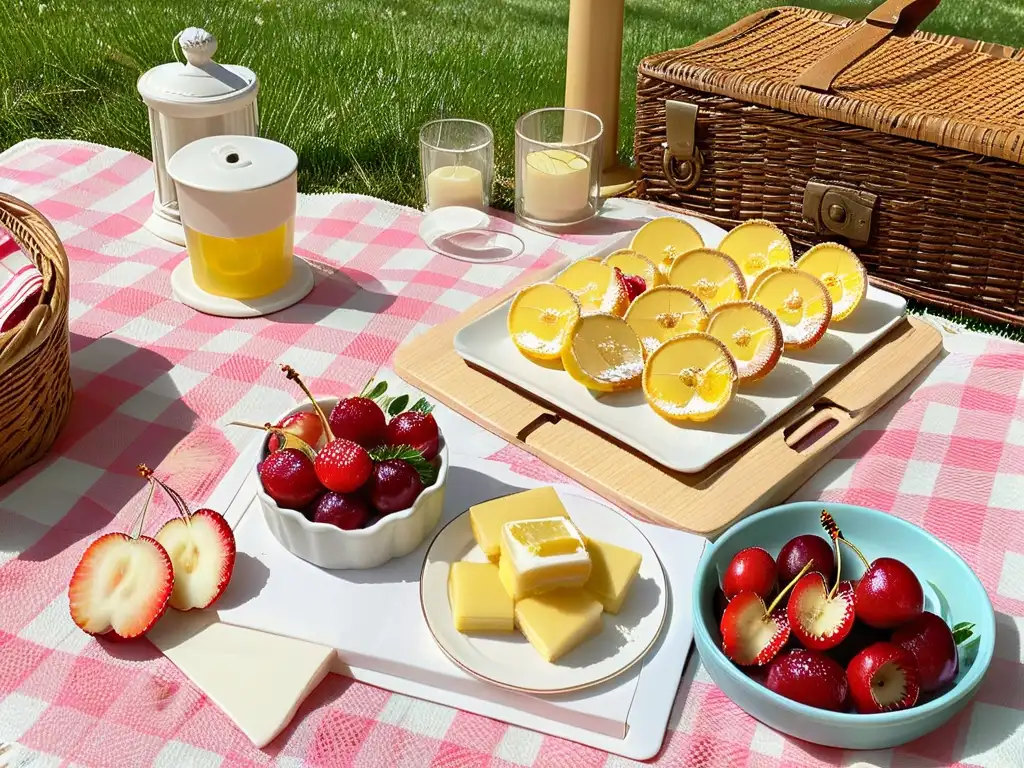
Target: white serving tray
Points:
(376, 625)
(626, 417)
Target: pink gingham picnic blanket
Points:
(153, 378)
(20, 283)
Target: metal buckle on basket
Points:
(681, 161)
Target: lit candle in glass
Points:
(457, 161)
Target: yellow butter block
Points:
(557, 622)
(507, 578)
(538, 556)
(489, 518)
(478, 599)
(613, 571)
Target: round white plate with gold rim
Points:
(507, 659)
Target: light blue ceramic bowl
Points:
(951, 591)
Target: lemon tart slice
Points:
(757, 245)
(604, 354)
(541, 319)
(752, 335)
(841, 272)
(690, 378)
(799, 300)
(596, 287)
(711, 275)
(663, 313)
(662, 240)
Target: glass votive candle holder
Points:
(457, 162)
(558, 167)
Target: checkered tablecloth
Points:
(157, 382)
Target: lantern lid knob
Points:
(198, 45)
(200, 87)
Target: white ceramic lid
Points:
(232, 163)
(200, 82)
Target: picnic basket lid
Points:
(878, 73)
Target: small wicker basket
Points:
(35, 356)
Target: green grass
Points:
(348, 83)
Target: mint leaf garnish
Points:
(426, 470)
(397, 405)
(377, 391)
(963, 632)
(422, 406)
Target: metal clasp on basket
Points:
(681, 159)
(844, 211)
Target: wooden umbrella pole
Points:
(592, 73)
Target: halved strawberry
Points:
(751, 633)
(201, 548)
(121, 585)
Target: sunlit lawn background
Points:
(348, 83)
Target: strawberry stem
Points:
(789, 586)
(293, 375)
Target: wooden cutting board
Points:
(762, 472)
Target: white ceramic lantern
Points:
(191, 101)
(237, 198)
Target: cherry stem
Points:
(293, 375)
(839, 567)
(829, 524)
(136, 530)
(789, 586)
(268, 427)
(857, 552)
(175, 497)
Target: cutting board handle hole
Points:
(809, 430)
(533, 426)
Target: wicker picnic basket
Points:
(35, 356)
(906, 146)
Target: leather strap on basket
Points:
(892, 17)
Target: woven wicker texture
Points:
(949, 226)
(945, 90)
(35, 368)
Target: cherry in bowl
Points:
(951, 590)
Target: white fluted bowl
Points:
(328, 546)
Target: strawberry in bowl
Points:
(370, 491)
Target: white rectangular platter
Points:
(375, 622)
(626, 417)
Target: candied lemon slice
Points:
(842, 273)
(661, 240)
(596, 287)
(709, 274)
(799, 300)
(604, 354)
(635, 263)
(690, 378)
(541, 319)
(663, 313)
(751, 333)
(755, 246)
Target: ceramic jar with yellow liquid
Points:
(237, 197)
